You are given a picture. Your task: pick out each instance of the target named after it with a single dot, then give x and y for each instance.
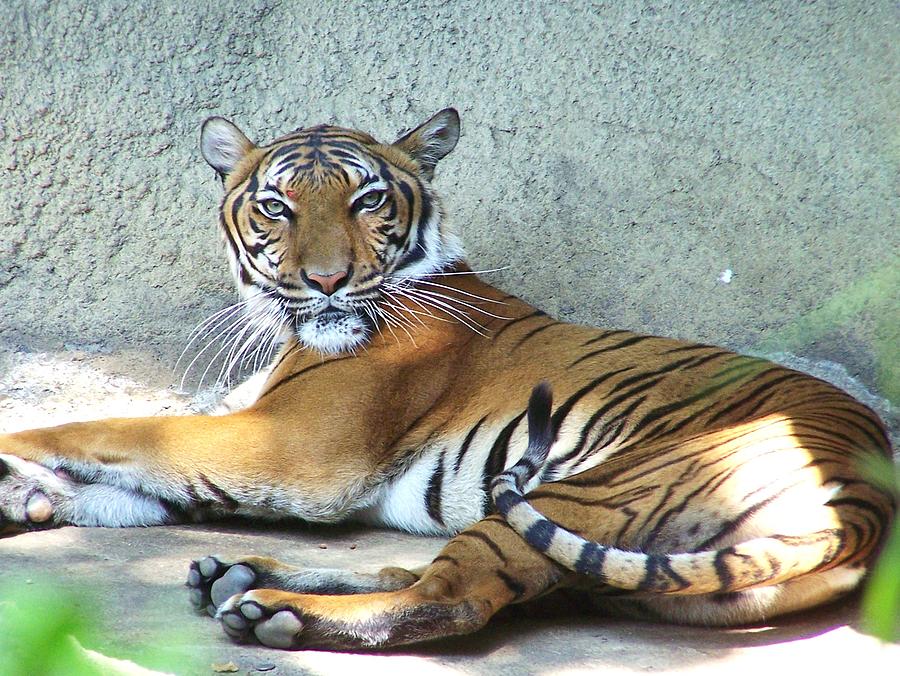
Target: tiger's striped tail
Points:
(540, 439)
(755, 562)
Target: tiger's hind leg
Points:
(480, 571)
(212, 581)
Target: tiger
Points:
(645, 476)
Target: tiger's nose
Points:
(327, 284)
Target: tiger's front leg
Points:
(146, 471)
(212, 581)
(33, 496)
(480, 571)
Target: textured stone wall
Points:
(618, 159)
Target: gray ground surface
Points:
(131, 579)
(618, 157)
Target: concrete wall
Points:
(617, 158)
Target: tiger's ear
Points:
(223, 145)
(432, 141)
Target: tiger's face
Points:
(320, 224)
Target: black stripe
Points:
(478, 535)
(603, 336)
(883, 518)
(444, 557)
(742, 361)
(694, 346)
(507, 500)
(413, 424)
(340, 152)
(513, 322)
(666, 426)
(704, 393)
(221, 495)
(615, 478)
(609, 502)
(282, 152)
(299, 373)
(193, 496)
(598, 415)
(284, 164)
(534, 332)
(610, 348)
(726, 579)
(496, 459)
(466, 443)
(732, 525)
(515, 587)
(757, 391)
(392, 211)
(658, 565)
(416, 251)
(613, 427)
(540, 534)
(883, 444)
(590, 560)
(385, 169)
(563, 411)
(229, 238)
(805, 422)
(631, 380)
(433, 494)
(700, 361)
(284, 355)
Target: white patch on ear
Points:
(223, 144)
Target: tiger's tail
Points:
(755, 562)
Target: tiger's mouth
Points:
(333, 330)
(331, 313)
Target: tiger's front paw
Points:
(31, 496)
(211, 582)
(255, 615)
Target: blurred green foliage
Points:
(43, 627)
(881, 600)
(37, 624)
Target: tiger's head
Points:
(319, 223)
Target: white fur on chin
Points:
(333, 335)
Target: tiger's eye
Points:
(273, 208)
(371, 200)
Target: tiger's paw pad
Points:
(30, 494)
(211, 582)
(243, 618)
